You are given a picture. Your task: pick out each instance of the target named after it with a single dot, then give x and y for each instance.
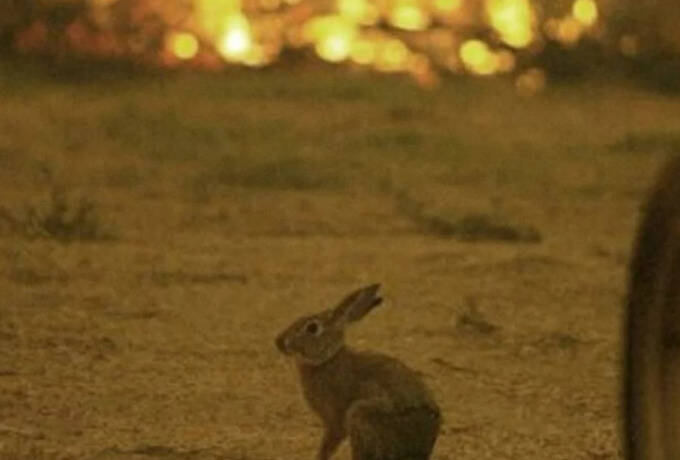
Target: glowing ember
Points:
(255, 57)
(505, 60)
(236, 40)
(184, 45)
(447, 6)
(210, 14)
(409, 15)
(433, 35)
(359, 11)
(513, 20)
(333, 36)
(478, 58)
(585, 11)
(392, 56)
(569, 30)
(363, 52)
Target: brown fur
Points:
(381, 404)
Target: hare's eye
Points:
(313, 327)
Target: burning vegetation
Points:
(418, 37)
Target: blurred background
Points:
(526, 39)
(180, 180)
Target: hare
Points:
(652, 372)
(382, 405)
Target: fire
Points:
(363, 52)
(447, 6)
(478, 58)
(184, 45)
(513, 20)
(392, 56)
(506, 61)
(433, 35)
(585, 11)
(210, 14)
(569, 30)
(359, 11)
(332, 35)
(409, 15)
(236, 40)
(270, 5)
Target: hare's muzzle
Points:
(282, 344)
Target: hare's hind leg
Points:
(377, 432)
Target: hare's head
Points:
(317, 338)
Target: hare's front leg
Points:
(333, 435)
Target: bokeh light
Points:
(409, 15)
(184, 45)
(332, 35)
(236, 40)
(392, 56)
(513, 20)
(447, 6)
(363, 51)
(361, 12)
(478, 57)
(569, 30)
(416, 37)
(585, 11)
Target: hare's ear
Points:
(357, 304)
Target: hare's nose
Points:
(282, 344)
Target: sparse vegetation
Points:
(467, 227)
(61, 218)
(472, 320)
(24, 449)
(274, 192)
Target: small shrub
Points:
(472, 320)
(61, 218)
(468, 227)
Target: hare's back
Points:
(386, 377)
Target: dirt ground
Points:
(148, 332)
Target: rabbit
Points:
(651, 400)
(381, 404)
